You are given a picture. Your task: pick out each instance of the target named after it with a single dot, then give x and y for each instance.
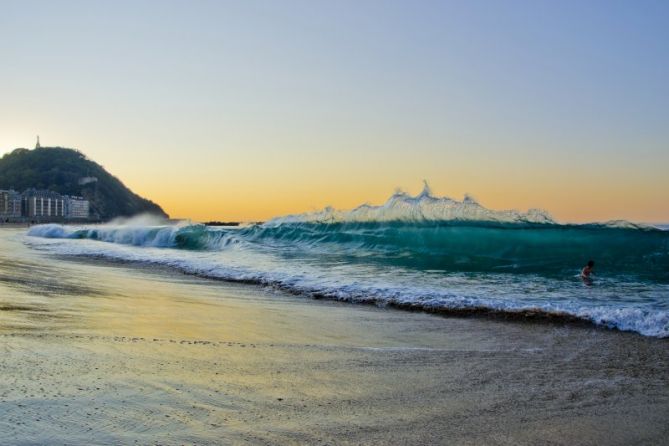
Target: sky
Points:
(244, 110)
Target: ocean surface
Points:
(418, 252)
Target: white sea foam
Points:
(345, 263)
(397, 286)
(422, 207)
(52, 230)
(141, 230)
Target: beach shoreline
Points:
(523, 316)
(106, 353)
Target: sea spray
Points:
(420, 208)
(435, 253)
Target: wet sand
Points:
(96, 353)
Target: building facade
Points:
(43, 204)
(10, 204)
(77, 207)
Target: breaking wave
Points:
(552, 250)
(419, 252)
(424, 207)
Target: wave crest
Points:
(419, 208)
(141, 230)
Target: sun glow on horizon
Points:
(245, 111)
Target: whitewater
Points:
(418, 252)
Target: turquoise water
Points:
(420, 252)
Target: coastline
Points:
(522, 316)
(112, 353)
(12, 225)
(411, 271)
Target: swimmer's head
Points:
(591, 263)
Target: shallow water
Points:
(95, 352)
(430, 265)
(419, 252)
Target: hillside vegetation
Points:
(60, 169)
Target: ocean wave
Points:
(532, 298)
(423, 252)
(420, 208)
(428, 245)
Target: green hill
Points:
(61, 170)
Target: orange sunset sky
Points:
(248, 110)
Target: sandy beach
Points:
(369, 223)
(101, 353)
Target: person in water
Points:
(587, 270)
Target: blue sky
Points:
(296, 105)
